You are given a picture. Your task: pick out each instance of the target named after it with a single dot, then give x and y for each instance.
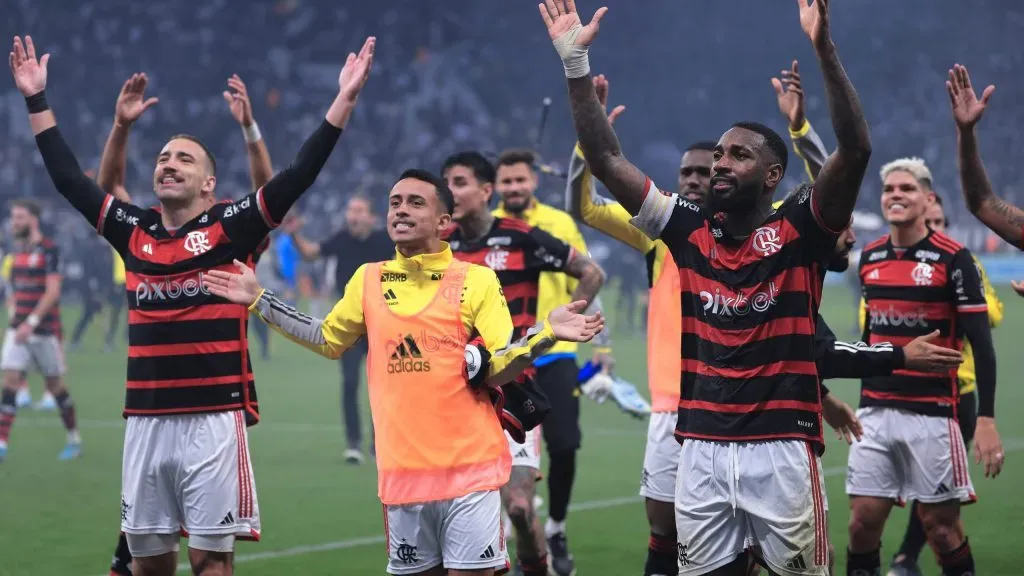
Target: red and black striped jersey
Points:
(909, 293)
(31, 265)
(749, 309)
(517, 253)
(187, 349)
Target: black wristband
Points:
(899, 358)
(37, 102)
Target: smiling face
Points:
(904, 198)
(744, 170)
(183, 174)
(416, 215)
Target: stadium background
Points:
(451, 76)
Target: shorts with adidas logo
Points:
(733, 496)
(661, 458)
(188, 473)
(462, 533)
(526, 454)
(908, 456)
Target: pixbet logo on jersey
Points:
(739, 304)
(893, 317)
(149, 290)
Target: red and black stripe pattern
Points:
(749, 309)
(909, 293)
(32, 264)
(517, 253)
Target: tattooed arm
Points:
(1004, 219)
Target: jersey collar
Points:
(431, 262)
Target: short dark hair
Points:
(28, 204)
(938, 199)
(775, 143)
(482, 168)
(209, 155)
(518, 156)
(706, 145)
(444, 193)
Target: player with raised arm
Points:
(34, 335)
(517, 253)
(180, 388)
(438, 330)
(916, 280)
(131, 104)
(751, 282)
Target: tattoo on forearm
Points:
(597, 139)
(1011, 214)
(848, 122)
(590, 275)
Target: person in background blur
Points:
(359, 242)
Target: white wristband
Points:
(32, 320)
(252, 133)
(574, 58)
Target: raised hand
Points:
(356, 71)
(238, 101)
(967, 108)
(570, 37)
(601, 87)
(29, 73)
(814, 19)
(240, 288)
(569, 324)
(922, 356)
(790, 95)
(132, 101)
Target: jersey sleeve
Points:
(117, 222)
(669, 217)
(995, 305)
(545, 252)
(819, 242)
(245, 223)
(52, 260)
(965, 282)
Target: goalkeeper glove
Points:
(478, 361)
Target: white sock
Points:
(551, 527)
(3, 444)
(74, 437)
(48, 396)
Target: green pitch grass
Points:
(321, 516)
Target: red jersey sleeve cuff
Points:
(818, 219)
(104, 210)
(261, 204)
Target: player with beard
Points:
(181, 388)
(557, 371)
(131, 104)
(518, 253)
(34, 334)
(751, 282)
(916, 280)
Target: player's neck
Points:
(34, 237)
(174, 217)
(476, 226)
(739, 226)
(419, 247)
(907, 235)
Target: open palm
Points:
(132, 101)
(569, 324)
(238, 101)
(29, 73)
(560, 17)
(814, 20)
(967, 108)
(356, 70)
(239, 287)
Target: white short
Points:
(528, 453)
(661, 458)
(463, 533)
(46, 352)
(188, 474)
(764, 495)
(907, 456)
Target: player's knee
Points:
(662, 518)
(520, 508)
(866, 523)
(209, 562)
(12, 380)
(941, 526)
(55, 384)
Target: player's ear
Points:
(209, 184)
(488, 189)
(773, 177)
(444, 222)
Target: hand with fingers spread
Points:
(967, 108)
(238, 101)
(601, 87)
(841, 417)
(356, 71)
(132, 101)
(790, 95)
(570, 37)
(29, 73)
(814, 19)
(569, 324)
(239, 287)
(922, 356)
(988, 448)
